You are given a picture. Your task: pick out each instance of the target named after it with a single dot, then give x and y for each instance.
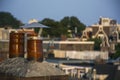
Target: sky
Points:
(87, 11)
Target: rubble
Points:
(20, 67)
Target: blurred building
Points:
(4, 42)
(108, 30)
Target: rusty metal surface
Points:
(16, 45)
(31, 34)
(34, 49)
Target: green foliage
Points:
(65, 21)
(55, 30)
(119, 35)
(72, 22)
(117, 47)
(58, 28)
(8, 20)
(117, 54)
(97, 41)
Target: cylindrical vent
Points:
(31, 35)
(16, 45)
(34, 49)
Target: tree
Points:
(72, 23)
(65, 21)
(58, 28)
(117, 54)
(55, 30)
(76, 23)
(8, 20)
(97, 42)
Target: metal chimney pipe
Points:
(16, 44)
(34, 49)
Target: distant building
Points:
(108, 30)
(74, 50)
(4, 42)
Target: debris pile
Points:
(20, 67)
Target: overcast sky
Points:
(88, 11)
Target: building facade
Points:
(108, 30)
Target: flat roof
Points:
(70, 42)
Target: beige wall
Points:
(90, 55)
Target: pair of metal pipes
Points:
(33, 48)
